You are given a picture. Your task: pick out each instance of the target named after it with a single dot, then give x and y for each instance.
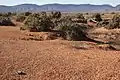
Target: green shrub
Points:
(20, 18)
(43, 14)
(6, 14)
(72, 31)
(27, 13)
(97, 17)
(112, 12)
(80, 16)
(5, 21)
(103, 14)
(115, 22)
(87, 13)
(103, 24)
(58, 22)
(56, 14)
(36, 22)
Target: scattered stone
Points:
(21, 72)
(115, 45)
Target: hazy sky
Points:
(39, 2)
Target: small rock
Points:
(21, 73)
(115, 45)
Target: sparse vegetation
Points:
(20, 18)
(26, 13)
(71, 30)
(103, 24)
(61, 46)
(115, 22)
(80, 18)
(112, 12)
(97, 17)
(6, 14)
(56, 14)
(35, 22)
(6, 21)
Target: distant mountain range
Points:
(59, 7)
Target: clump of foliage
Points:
(97, 17)
(103, 23)
(103, 14)
(22, 16)
(112, 12)
(36, 22)
(5, 21)
(27, 13)
(56, 14)
(80, 18)
(87, 13)
(71, 30)
(6, 14)
(115, 22)
(55, 17)
(58, 22)
(43, 14)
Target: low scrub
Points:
(37, 23)
(5, 21)
(7, 14)
(71, 30)
(115, 22)
(103, 24)
(56, 14)
(80, 18)
(20, 17)
(97, 17)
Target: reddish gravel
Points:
(53, 60)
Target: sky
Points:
(40, 2)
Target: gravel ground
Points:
(53, 60)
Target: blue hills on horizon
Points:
(59, 7)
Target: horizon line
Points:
(58, 3)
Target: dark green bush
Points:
(56, 14)
(103, 24)
(71, 30)
(5, 21)
(61, 20)
(43, 14)
(80, 16)
(22, 16)
(97, 17)
(27, 13)
(36, 22)
(115, 22)
(112, 12)
(8, 14)
(87, 13)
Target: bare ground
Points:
(54, 59)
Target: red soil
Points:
(53, 60)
